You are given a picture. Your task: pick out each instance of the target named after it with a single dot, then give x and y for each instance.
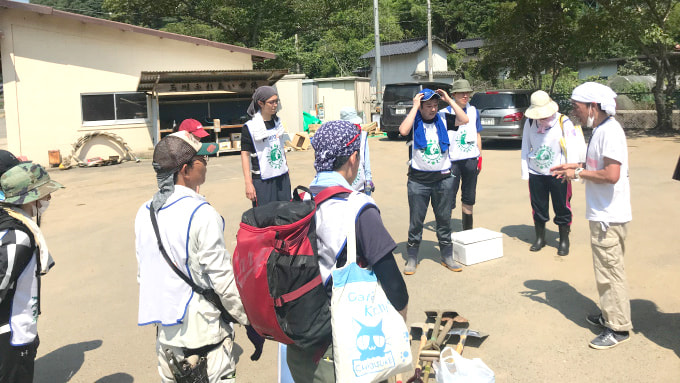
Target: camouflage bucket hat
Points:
(26, 182)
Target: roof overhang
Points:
(257, 55)
(207, 82)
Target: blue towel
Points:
(419, 141)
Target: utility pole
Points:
(378, 74)
(430, 65)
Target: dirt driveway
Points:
(532, 304)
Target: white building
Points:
(66, 75)
(407, 60)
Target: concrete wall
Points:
(599, 70)
(48, 62)
(400, 68)
(290, 93)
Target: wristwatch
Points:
(577, 173)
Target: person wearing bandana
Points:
(608, 209)
(429, 173)
(548, 140)
(24, 259)
(263, 157)
(337, 158)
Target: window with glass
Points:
(114, 107)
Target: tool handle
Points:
(443, 334)
(461, 344)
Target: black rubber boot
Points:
(540, 236)
(411, 259)
(467, 221)
(563, 248)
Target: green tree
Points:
(531, 37)
(86, 7)
(651, 28)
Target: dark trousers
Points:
(543, 187)
(273, 189)
(16, 362)
(465, 174)
(419, 195)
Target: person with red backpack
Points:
(337, 146)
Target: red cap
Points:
(194, 127)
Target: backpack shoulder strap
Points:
(330, 192)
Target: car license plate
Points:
(487, 121)
(400, 111)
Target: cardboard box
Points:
(225, 144)
(236, 144)
(477, 245)
(301, 141)
(235, 137)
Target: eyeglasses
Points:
(273, 102)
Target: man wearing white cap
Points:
(549, 139)
(608, 209)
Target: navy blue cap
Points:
(428, 94)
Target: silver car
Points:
(502, 112)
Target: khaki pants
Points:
(221, 366)
(608, 250)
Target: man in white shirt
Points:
(608, 208)
(191, 327)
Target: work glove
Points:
(256, 340)
(479, 164)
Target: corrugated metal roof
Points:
(470, 43)
(403, 47)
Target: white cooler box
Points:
(477, 245)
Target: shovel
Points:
(464, 333)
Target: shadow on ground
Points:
(526, 233)
(428, 251)
(656, 326)
(119, 377)
(62, 364)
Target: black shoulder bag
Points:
(209, 294)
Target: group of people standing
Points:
(180, 246)
(445, 152)
(187, 286)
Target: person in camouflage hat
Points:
(26, 183)
(24, 258)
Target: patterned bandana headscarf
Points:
(334, 139)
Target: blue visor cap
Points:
(428, 94)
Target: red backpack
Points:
(277, 270)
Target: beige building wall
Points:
(48, 62)
(290, 93)
(338, 93)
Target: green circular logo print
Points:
(432, 154)
(544, 157)
(462, 144)
(275, 158)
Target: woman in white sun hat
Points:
(549, 138)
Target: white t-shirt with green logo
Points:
(541, 151)
(430, 158)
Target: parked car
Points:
(502, 112)
(398, 100)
